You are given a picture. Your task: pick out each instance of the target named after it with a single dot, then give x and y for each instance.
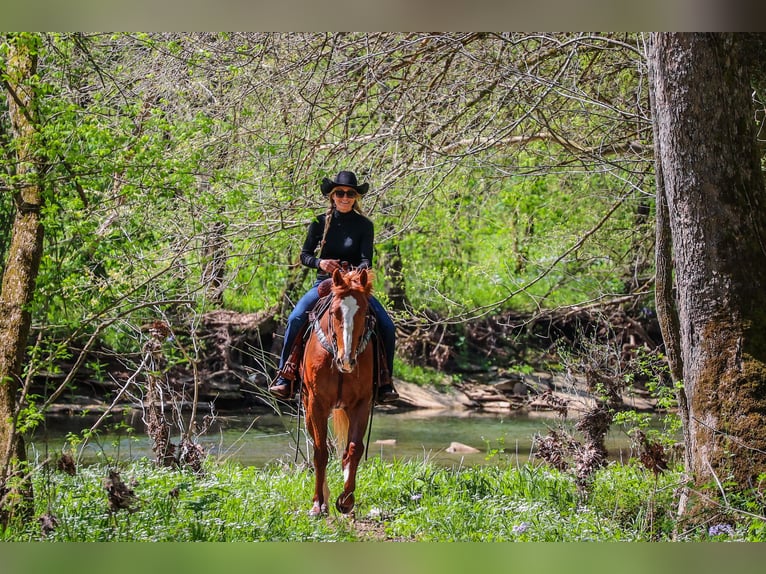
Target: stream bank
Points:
(237, 355)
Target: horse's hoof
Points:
(345, 503)
(317, 510)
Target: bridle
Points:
(329, 341)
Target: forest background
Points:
(509, 173)
(512, 176)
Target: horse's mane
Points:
(354, 280)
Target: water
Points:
(261, 439)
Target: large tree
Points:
(25, 248)
(712, 223)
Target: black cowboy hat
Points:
(346, 179)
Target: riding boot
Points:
(386, 393)
(281, 388)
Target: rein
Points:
(321, 308)
(330, 344)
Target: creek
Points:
(261, 439)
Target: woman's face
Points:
(344, 198)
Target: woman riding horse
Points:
(342, 234)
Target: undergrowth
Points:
(400, 500)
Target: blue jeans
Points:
(300, 315)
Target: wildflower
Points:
(718, 529)
(416, 496)
(521, 528)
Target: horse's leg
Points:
(317, 425)
(358, 419)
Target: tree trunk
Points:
(712, 185)
(214, 253)
(24, 251)
(393, 285)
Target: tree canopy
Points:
(507, 170)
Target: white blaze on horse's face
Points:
(348, 308)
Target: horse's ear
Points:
(363, 278)
(337, 278)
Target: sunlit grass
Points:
(411, 500)
(421, 375)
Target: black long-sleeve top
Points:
(350, 238)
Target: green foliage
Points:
(485, 241)
(157, 163)
(652, 369)
(400, 500)
(229, 504)
(633, 500)
(421, 375)
(30, 415)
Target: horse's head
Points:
(348, 312)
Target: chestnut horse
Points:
(337, 378)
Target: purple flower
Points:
(521, 528)
(718, 529)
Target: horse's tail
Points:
(340, 425)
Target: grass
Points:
(421, 375)
(400, 500)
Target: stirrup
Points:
(281, 388)
(386, 394)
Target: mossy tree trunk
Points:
(25, 249)
(712, 187)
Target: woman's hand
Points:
(329, 265)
